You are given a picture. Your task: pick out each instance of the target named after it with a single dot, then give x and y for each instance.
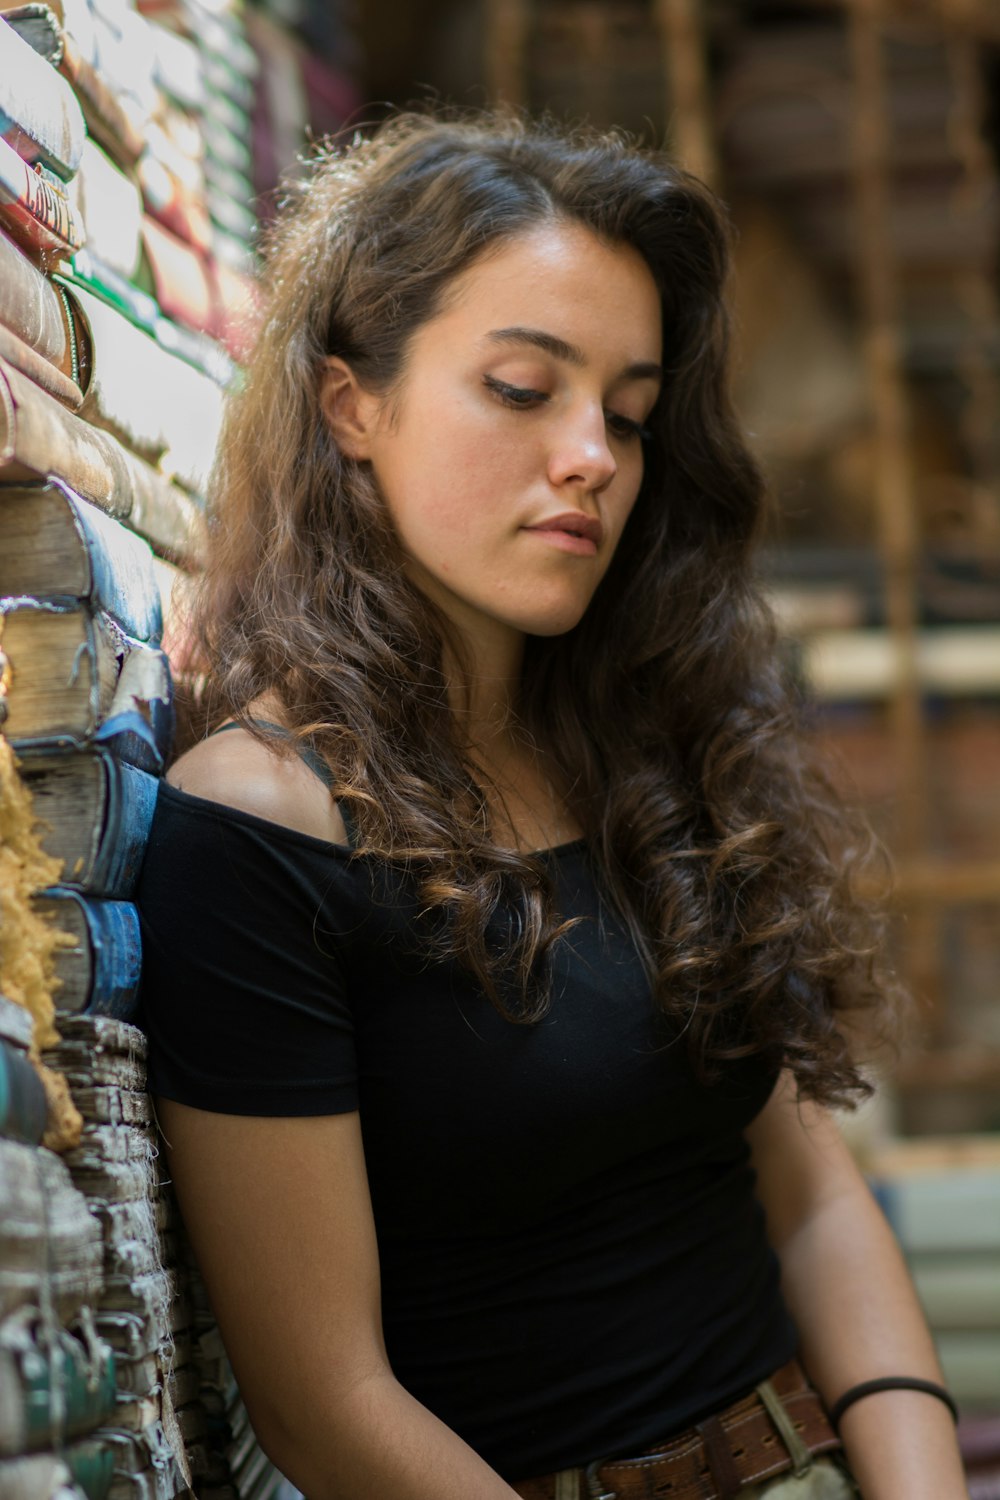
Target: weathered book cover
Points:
(39, 438)
(40, 116)
(74, 677)
(55, 544)
(47, 1234)
(65, 1393)
(100, 973)
(96, 811)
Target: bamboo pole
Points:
(684, 55)
(506, 41)
(895, 501)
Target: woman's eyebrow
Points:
(560, 349)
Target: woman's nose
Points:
(580, 454)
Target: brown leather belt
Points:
(782, 1425)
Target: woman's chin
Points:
(556, 621)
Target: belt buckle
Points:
(595, 1486)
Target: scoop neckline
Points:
(281, 830)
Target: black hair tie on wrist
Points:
(890, 1383)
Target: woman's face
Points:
(511, 454)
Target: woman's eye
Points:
(522, 398)
(513, 395)
(624, 427)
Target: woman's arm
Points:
(280, 1221)
(851, 1297)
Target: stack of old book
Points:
(127, 187)
(198, 167)
(57, 1373)
(88, 708)
(141, 1310)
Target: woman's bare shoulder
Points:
(237, 770)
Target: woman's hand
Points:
(279, 1217)
(850, 1294)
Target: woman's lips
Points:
(571, 532)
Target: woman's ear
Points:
(349, 409)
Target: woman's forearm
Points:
(381, 1442)
(858, 1316)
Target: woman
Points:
(472, 1022)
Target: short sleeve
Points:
(243, 996)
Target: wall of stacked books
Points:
(139, 144)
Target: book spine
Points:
(35, 210)
(30, 363)
(185, 287)
(23, 1110)
(39, 437)
(115, 952)
(30, 306)
(40, 116)
(122, 579)
(131, 802)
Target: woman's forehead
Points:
(566, 285)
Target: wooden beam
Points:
(687, 78)
(895, 499)
(506, 47)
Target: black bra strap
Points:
(315, 762)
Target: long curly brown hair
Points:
(664, 709)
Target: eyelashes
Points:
(523, 398)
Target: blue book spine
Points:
(123, 582)
(131, 801)
(115, 952)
